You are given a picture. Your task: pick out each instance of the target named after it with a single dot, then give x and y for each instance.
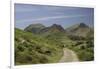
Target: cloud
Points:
(58, 17)
(48, 18)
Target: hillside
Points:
(33, 49)
(53, 29)
(34, 28)
(80, 29)
(40, 44)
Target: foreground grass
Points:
(34, 49)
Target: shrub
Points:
(20, 48)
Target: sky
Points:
(26, 14)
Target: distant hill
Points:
(34, 28)
(41, 29)
(53, 29)
(80, 29)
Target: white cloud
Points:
(58, 17)
(48, 18)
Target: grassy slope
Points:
(33, 49)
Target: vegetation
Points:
(84, 48)
(34, 47)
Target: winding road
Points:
(69, 56)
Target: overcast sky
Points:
(26, 14)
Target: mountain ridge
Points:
(53, 29)
(80, 29)
(34, 28)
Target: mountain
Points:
(34, 28)
(53, 29)
(80, 29)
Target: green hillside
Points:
(34, 49)
(34, 28)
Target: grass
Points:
(34, 49)
(83, 48)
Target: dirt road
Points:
(69, 56)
